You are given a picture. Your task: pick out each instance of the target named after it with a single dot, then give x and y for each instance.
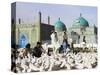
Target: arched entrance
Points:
(22, 41)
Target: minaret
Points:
(40, 17)
(48, 20)
(19, 21)
(39, 27)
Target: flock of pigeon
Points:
(65, 61)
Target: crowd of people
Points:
(57, 57)
(59, 44)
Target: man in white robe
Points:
(54, 41)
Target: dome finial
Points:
(59, 18)
(80, 14)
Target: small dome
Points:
(59, 25)
(81, 22)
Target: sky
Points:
(28, 13)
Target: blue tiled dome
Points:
(59, 25)
(81, 22)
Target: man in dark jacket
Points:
(37, 51)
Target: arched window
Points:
(22, 40)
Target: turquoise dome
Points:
(81, 22)
(59, 25)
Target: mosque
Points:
(39, 31)
(82, 31)
(31, 33)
